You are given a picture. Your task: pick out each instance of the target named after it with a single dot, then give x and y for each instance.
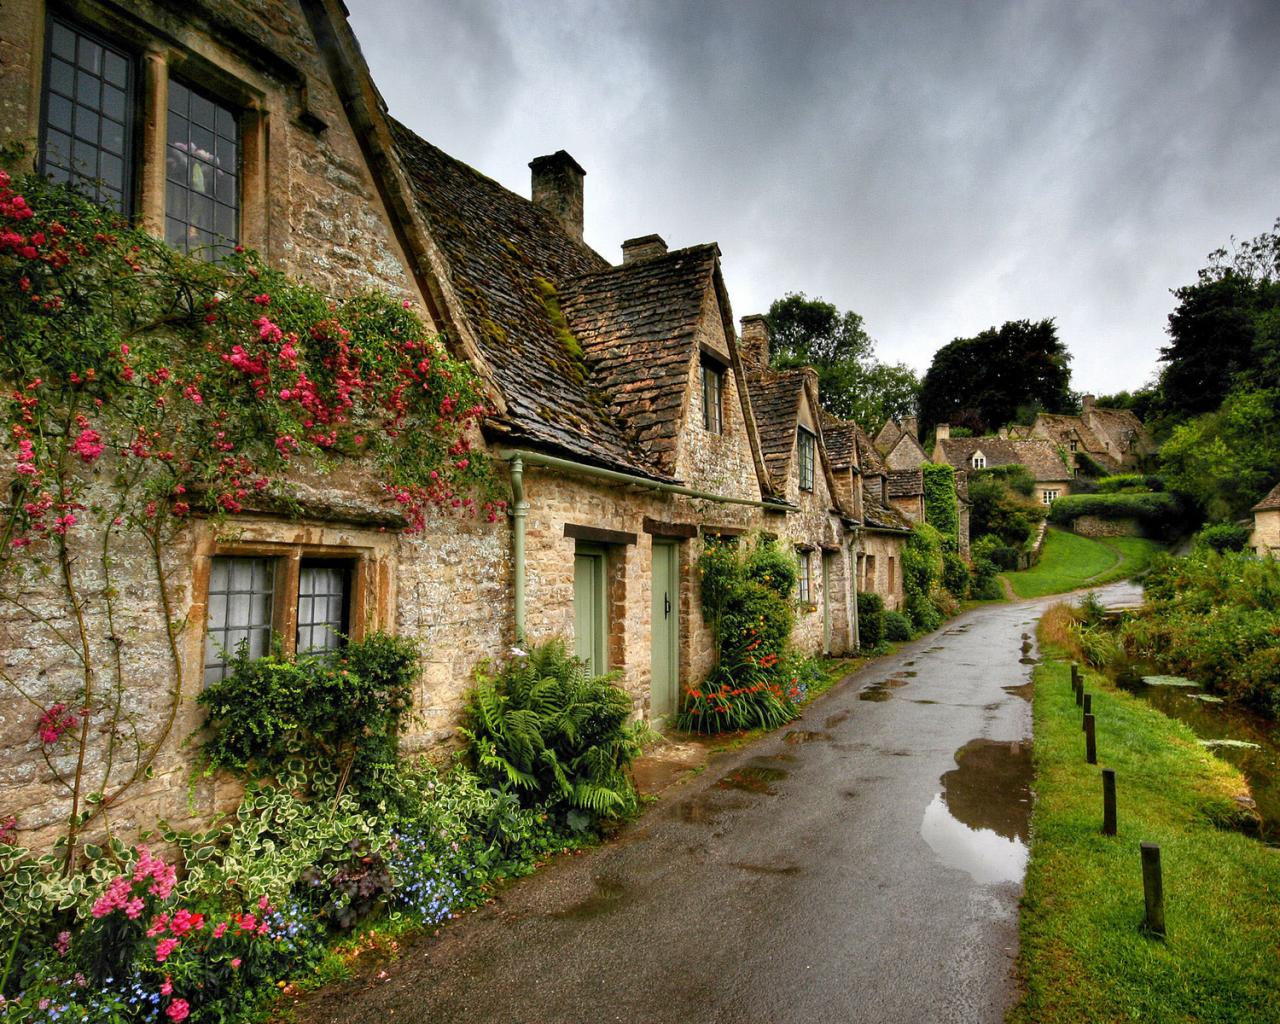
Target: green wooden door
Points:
(590, 610)
(665, 639)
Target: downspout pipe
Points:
(519, 516)
(521, 456)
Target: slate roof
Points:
(870, 460)
(1122, 428)
(905, 483)
(1064, 429)
(1038, 455)
(888, 436)
(1271, 502)
(841, 440)
(636, 324)
(506, 260)
(880, 517)
(775, 400)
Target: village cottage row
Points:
(632, 419)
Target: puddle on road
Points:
(1025, 691)
(979, 823)
(877, 693)
(767, 869)
(610, 894)
(753, 777)
(924, 702)
(833, 720)
(805, 736)
(1028, 661)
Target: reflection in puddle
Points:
(877, 693)
(804, 736)
(753, 778)
(836, 719)
(979, 822)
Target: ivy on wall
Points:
(941, 509)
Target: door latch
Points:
(666, 606)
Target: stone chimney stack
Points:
(910, 425)
(753, 342)
(1087, 403)
(643, 248)
(557, 188)
(943, 432)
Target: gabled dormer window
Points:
(712, 397)
(805, 445)
(979, 461)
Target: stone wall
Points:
(1266, 533)
(1097, 526)
(885, 577)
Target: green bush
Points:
(555, 735)
(747, 600)
(985, 584)
(1214, 618)
(897, 627)
(1127, 483)
(923, 613)
(870, 620)
(1161, 515)
(955, 575)
(345, 706)
(1222, 537)
(1001, 505)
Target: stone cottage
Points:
(1110, 440)
(1042, 459)
(1265, 539)
(625, 422)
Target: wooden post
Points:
(1153, 888)
(1108, 801)
(1090, 741)
(1080, 695)
(1075, 675)
(1088, 706)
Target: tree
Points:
(852, 383)
(1227, 459)
(1225, 331)
(1003, 374)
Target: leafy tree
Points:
(852, 383)
(1226, 460)
(1003, 374)
(1224, 333)
(1001, 506)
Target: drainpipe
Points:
(519, 514)
(856, 626)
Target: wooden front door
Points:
(590, 609)
(665, 634)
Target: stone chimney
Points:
(910, 425)
(942, 432)
(557, 188)
(753, 343)
(643, 248)
(1087, 403)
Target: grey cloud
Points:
(938, 167)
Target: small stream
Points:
(1209, 720)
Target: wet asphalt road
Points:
(863, 864)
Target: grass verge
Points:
(1069, 562)
(1083, 956)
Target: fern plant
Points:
(546, 729)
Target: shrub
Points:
(1124, 483)
(555, 735)
(870, 620)
(941, 507)
(1213, 618)
(984, 584)
(747, 599)
(1001, 505)
(346, 706)
(955, 575)
(897, 627)
(945, 603)
(1222, 537)
(923, 614)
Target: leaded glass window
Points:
(240, 611)
(805, 448)
(87, 120)
(806, 577)
(202, 174)
(322, 606)
(712, 404)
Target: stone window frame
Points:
(1049, 495)
(369, 553)
(806, 456)
(154, 61)
(979, 461)
(804, 579)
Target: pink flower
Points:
(262, 300)
(177, 1010)
(63, 943)
(167, 988)
(263, 904)
(219, 929)
(88, 445)
(163, 948)
(235, 964)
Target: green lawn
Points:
(1083, 956)
(1069, 562)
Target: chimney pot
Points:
(643, 248)
(943, 432)
(557, 188)
(1087, 402)
(753, 343)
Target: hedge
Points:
(1160, 514)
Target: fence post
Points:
(1153, 888)
(1088, 705)
(1108, 801)
(1090, 741)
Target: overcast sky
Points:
(937, 167)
